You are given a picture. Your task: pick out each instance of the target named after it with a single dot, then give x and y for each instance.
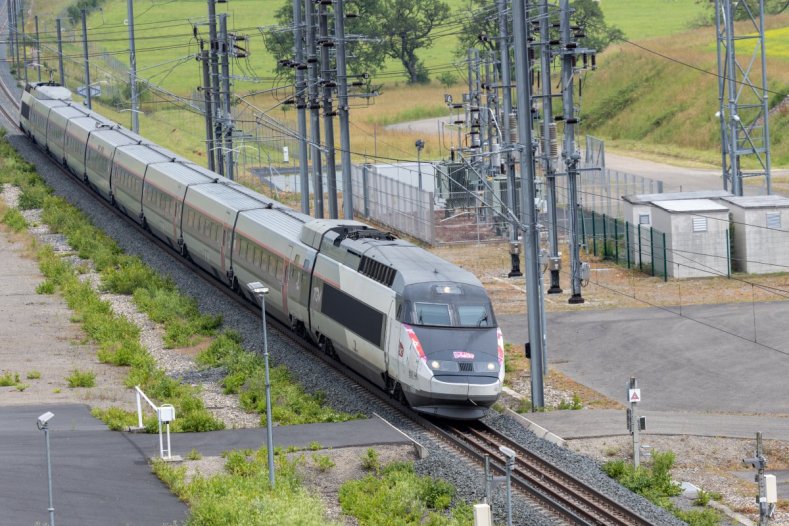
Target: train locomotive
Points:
(418, 326)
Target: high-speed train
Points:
(419, 327)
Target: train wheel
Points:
(400, 395)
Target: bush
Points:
(15, 220)
(400, 496)
(81, 379)
(8, 379)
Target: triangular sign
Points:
(634, 397)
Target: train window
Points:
(432, 314)
(473, 316)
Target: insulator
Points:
(513, 127)
(553, 140)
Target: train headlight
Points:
(491, 366)
(435, 364)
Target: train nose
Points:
(479, 390)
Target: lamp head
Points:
(44, 419)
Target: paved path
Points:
(102, 477)
(684, 367)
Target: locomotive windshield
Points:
(447, 306)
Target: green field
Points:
(641, 19)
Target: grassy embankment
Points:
(118, 339)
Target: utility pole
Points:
(60, 52)
(342, 86)
(135, 121)
(570, 154)
(314, 104)
(38, 50)
(10, 13)
(531, 236)
(767, 497)
(227, 110)
(87, 59)
(548, 138)
(16, 35)
(209, 111)
(24, 38)
(219, 161)
(328, 113)
(298, 38)
(508, 161)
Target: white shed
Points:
(638, 207)
(761, 233)
(696, 237)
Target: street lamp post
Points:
(43, 425)
(419, 145)
(259, 290)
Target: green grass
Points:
(79, 378)
(398, 496)
(8, 379)
(33, 375)
(655, 484)
(14, 219)
(241, 495)
(642, 19)
(245, 377)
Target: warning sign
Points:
(634, 395)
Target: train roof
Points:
(49, 91)
(416, 265)
(143, 153)
(274, 220)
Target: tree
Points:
(406, 26)
(365, 56)
(483, 20)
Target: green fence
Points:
(629, 245)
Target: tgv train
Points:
(416, 325)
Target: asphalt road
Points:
(103, 477)
(702, 360)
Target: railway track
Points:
(564, 497)
(554, 489)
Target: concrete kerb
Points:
(538, 430)
(421, 450)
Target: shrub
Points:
(323, 462)
(403, 497)
(194, 454)
(79, 378)
(14, 219)
(8, 379)
(371, 460)
(115, 418)
(33, 375)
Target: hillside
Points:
(643, 101)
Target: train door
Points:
(392, 340)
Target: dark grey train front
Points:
(418, 326)
(456, 365)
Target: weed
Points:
(524, 406)
(371, 460)
(33, 375)
(8, 379)
(45, 287)
(56, 390)
(115, 418)
(79, 378)
(315, 445)
(322, 462)
(402, 494)
(15, 220)
(702, 499)
(194, 454)
(573, 404)
(21, 387)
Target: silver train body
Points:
(414, 324)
